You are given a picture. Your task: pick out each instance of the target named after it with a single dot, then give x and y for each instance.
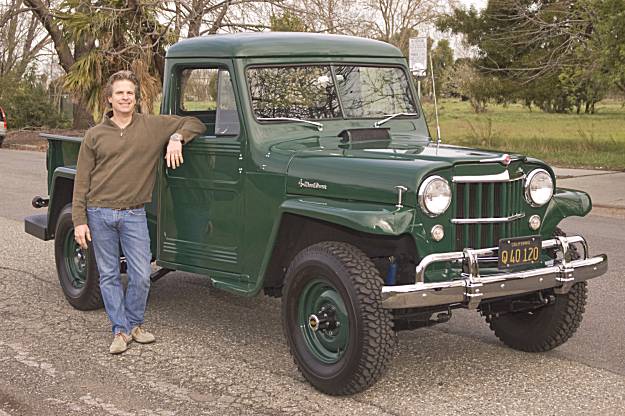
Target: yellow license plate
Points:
(519, 251)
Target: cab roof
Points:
(276, 44)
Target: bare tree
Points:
(393, 21)
(22, 38)
(191, 18)
(331, 16)
(396, 21)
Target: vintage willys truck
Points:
(318, 181)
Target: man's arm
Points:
(82, 183)
(187, 127)
(180, 130)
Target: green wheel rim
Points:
(75, 261)
(327, 345)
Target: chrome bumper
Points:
(472, 288)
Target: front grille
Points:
(487, 200)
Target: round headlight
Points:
(434, 196)
(538, 187)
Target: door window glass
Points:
(208, 94)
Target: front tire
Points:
(547, 327)
(340, 337)
(76, 268)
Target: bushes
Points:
(26, 103)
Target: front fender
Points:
(565, 203)
(365, 217)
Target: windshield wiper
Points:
(299, 120)
(392, 116)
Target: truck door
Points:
(200, 223)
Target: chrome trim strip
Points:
(472, 288)
(487, 220)
(499, 177)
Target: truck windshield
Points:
(316, 92)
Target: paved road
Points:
(221, 354)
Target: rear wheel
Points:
(76, 268)
(339, 335)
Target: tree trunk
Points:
(82, 117)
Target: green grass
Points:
(567, 140)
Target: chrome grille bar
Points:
(488, 220)
(487, 208)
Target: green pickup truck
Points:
(318, 181)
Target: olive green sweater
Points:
(116, 167)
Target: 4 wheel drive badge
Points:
(313, 185)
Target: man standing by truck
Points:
(114, 180)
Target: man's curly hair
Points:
(122, 76)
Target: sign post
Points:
(418, 58)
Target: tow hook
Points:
(324, 320)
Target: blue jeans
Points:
(110, 228)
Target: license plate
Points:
(519, 251)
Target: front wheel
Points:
(545, 328)
(340, 337)
(77, 269)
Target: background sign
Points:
(418, 56)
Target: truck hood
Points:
(372, 173)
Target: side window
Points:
(199, 90)
(208, 94)
(227, 120)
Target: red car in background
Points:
(3, 126)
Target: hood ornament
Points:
(504, 159)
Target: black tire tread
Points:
(562, 329)
(571, 310)
(92, 298)
(379, 337)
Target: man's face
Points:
(123, 99)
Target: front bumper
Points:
(472, 288)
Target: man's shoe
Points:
(120, 343)
(142, 336)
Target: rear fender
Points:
(61, 191)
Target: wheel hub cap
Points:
(76, 261)
(323, 321)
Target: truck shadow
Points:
(428, 364)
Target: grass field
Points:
(566, 140)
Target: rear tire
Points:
(76, 268)
(346, 358)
